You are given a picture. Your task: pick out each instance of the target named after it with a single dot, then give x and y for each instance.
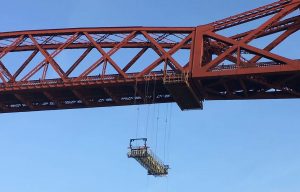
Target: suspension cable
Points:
(169, 133)
(138, 110)
(146, 102)
(165, 130)
(157, 129)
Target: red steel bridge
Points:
(230, 59)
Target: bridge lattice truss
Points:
(96, 67)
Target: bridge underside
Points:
(101, 93)
(84, 95)
(101, 67)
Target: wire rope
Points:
(147, 102)
(165, 131)
(138, 110)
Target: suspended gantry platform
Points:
(147, 159)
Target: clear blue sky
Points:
(231, 146)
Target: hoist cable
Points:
(146, 102)
(138, 110)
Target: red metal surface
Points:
(95, 67)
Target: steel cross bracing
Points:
(97, 67)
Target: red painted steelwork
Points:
(97, 67)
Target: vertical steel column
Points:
(198, 50)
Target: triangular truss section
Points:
(282, 20)
(166, 60)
